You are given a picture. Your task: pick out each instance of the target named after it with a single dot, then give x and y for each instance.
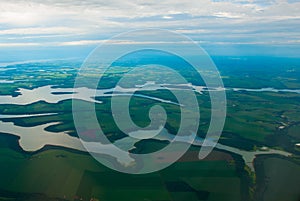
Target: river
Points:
(51, 94)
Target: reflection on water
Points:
(35, 138)
(269, 90)
(55, 95)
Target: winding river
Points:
(54, 95)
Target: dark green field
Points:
(278, 179)
(54, 173)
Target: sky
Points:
(221, 27)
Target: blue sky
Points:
(237, 27)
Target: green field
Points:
(54, 173)
(278, 179)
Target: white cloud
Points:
(228, 15)
(19, 44)
(40, 30)
(167, 17)
(81, 42)
(128, 42)
(234, 20)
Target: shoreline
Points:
(248, 157)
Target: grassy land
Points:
(277, 179)
(61, 173)
(253, 119)
(248, 121)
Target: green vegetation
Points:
(254, 119)
(248, 121)
(277, 179)
(70, 175)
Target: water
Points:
(55, 95)
(269, 90)
(35, 138)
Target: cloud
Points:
(129, 42)
(167, 17)
(40, 31)
(50, 22)
(228, 15)
(81, 42)
(19, 44)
